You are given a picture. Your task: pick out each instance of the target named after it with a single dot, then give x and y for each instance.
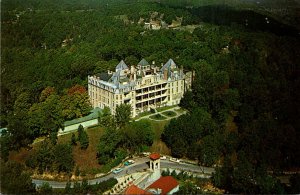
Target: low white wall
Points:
(176, 189)
(74, 127)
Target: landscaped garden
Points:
(158, 117)
(169, 113)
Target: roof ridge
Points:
(168, 64)
(143, 62)
(121, 65)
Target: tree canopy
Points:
(244, 94)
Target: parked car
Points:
(146, 153)
(174, 160)
(129, 162)
(163, 158)
(117, 170)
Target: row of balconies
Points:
(150, 98)
(145, 104)
(155, 92)
(151, 88)
(143, 96)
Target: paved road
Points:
(141, 165)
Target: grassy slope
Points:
(158, 145)
(86, 159)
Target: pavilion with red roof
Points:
(154, 156)
(160, 185)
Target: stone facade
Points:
(143, 86)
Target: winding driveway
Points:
(141, 165)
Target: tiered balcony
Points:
(150, 89)
(151, 96)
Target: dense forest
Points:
(243, 107)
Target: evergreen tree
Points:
(80, 130)
(53, 138)
(84, 140)
(77, 171)
(73, 140)
(68, 188)
(14, 180)
(45, 188)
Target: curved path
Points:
(174, 109)
(137, 167)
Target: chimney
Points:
(154, 68)
(181, 70)
(132, 69)
(165, 74)
(159, 191)
(134, 76)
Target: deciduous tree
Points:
(123, 113)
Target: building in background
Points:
(143, 86)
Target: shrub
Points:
(45, 188)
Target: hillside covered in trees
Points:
(244, 105)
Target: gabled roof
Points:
(121, 66)
(143, 62)
(168, 65)
(133, 189)
(166, 184)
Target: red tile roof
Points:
(133, 189)
(154, 156)
(166, 184)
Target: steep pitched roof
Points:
(133, 189)
(143, 62)
(121, 66)
(168, 65)
(116, 77)
(166, 184)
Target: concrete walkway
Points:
(174, 109)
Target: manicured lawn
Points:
(158, 117)
(169, 113)
(142, 114)
(165, 108)
(180, 110)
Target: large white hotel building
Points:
(143, 87)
